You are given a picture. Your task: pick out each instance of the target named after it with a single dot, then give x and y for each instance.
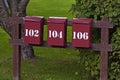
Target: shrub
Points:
(96, 9)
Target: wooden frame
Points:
(104, 47)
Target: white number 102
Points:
(31, 33)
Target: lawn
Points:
(51, 63)
(48, 8)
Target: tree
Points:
(7, 9)
(95, 9)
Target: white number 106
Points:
(80, 35)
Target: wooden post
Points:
(104, 54)
(15, 21)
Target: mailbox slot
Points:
(81, 32)
(33, 30)
(57, 31)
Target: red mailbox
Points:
(33, 30)
(57, 31)
(81, 32)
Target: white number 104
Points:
(55, 34)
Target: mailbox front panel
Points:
(56, 32)
(33, 30)
(81, 32)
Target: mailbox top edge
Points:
(82, 20)
(57, 20)
(57, 17)
(33, 18)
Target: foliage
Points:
(90, 64)
(114, 71)
(96, 9)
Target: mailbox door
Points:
(81, 32)
(56, 32)
(33, 30)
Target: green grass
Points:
(51, 63)
(48, 8)
(5, 57)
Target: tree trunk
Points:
(14, 6)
